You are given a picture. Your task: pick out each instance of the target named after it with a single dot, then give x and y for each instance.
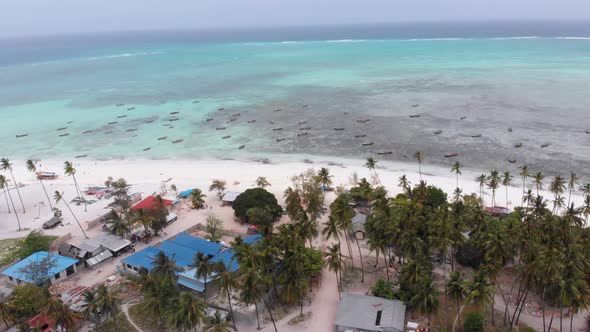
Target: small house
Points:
(62, 268)
(149, 203)
(369, 314)
(229, 197)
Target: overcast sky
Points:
(46, 17)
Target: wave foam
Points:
(123, 55)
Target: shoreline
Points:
(151, 176)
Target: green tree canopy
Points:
(256, 198)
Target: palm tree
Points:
(5, 165)
(480, 291)
(117, 226)
(557, 187)
(343, 213)
(33, 169)
(262, 182)
(90, 307)
(493, 183)
(250, 288)
(59, 197)
(71, 171)
(5, 312)
(324, 177)
(197, 198)
(186, 312)
(456, 291)
(506, 181)
(586, 209)
(538, 181)
(426, 298)
(335, 263)
(481, 180)
(60, 314)
(419, 157)
(165, 267)
(219, 186)
(524, 174)
(331, 230)
(371, 164)
(457, 170)
(571, 184)
(4, 186)
(216, 324)
(204, 266)
(227, 280)
(107, 302)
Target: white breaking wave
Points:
(346, 41)
(574, 38)
(517, 37)
(434, 39)
(123, 55)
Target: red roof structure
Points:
(149, 203)
(44, 323)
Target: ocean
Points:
(384, 91)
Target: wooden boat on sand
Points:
(22, 135)
(451, 155)
(177, 141)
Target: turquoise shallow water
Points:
(537, 86)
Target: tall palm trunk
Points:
(349, 250)
(361, 258)
(18, 192)
(267, 305)
(79, 192)
(571, 320)
(338, 286)
(420, 169)
(506, 196)
(543, 306)
(46, 194)
(73, 215)
(231, 311)
(459, 315)
(15, 212)
(257, 319)
(8, 204)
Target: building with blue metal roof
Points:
(62, 269)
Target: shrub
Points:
(474, 322)
(28, 300)
(33, 243)
(470, 254)
(256, 198)
(383, 288)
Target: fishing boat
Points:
(220, 128)
(415, 105)
(237, 114)
(241, 147)
(476, 135)
(119, 105)
(271, 122)
(195, 101)
(277, 129)
(512, 161)
(360, 136)
(451, 155)
(518, 145)
(177, 141)
(69, 122)
(112, 123)
(63, 135)
(226, 137)
(122, 116)
(109, 132)
(251, 121)
(338, 129)
(544, 145)
(303, 134)
(46, 175)
(166, 125)
(368, 144)
(162, 138)
(301, 123)
(363, 121)
(510, 129)
(22, 135)
(221, 108)
(132, 129)
(305, 106)
(280, 139)
(437, 132)
(173, 119)
(209, 119)
(82, 156)
(170, 127)
(587, 131)
(62, 128)
(131, 108)
(149, 121)
(277, 110)
(463, 118)
(386, 152)
(87, 132)
(174, 113)
(231, 120)
(146, 149)
(415, 116)
(305, 128)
